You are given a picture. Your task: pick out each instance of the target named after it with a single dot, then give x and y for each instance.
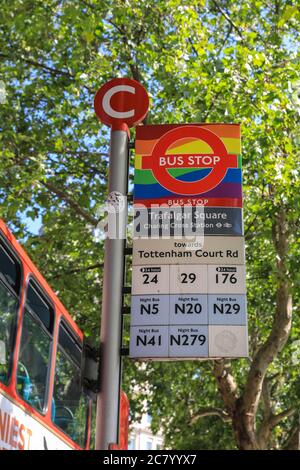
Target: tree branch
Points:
(226, 384)
(227, 18)
(225, 40)
(275, 419)
(84, 153)
(266, 399)
(278, 336)
(203, 412)
(46, 68)
(65, 197)
(212, 104)
(51, 70)
(77, 270)
(270, 420)
(133, 68)
(293, 441)
(89, 5)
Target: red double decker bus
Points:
(43, 404)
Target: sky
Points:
(32, 225)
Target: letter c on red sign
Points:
(121, 102)
(107, 106)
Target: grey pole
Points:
(108, 400)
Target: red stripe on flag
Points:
(191, 201)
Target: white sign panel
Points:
(206, 250)
(227, 309)
(225, 279)
(150, 309)
(186, 279)
(150, 280)
(187, 309)
(188, 276)
(188, 341)
(149, 341)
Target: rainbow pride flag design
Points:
(147, 190)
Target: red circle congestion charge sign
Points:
(219, 161)
(121, 102)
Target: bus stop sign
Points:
(162, 159)
(121, 102)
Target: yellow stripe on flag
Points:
(196, 146)
(232, 145)
(138, 162)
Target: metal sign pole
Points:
(108, 400)
(120, 103)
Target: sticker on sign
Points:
(228, 341)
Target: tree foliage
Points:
(213, 61)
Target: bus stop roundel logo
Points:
(163, 158)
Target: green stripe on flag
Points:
(240, 161)
(146, 176)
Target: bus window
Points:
(35, 348)
(10, 278)
(69, 405)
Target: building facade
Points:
(142, 438)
